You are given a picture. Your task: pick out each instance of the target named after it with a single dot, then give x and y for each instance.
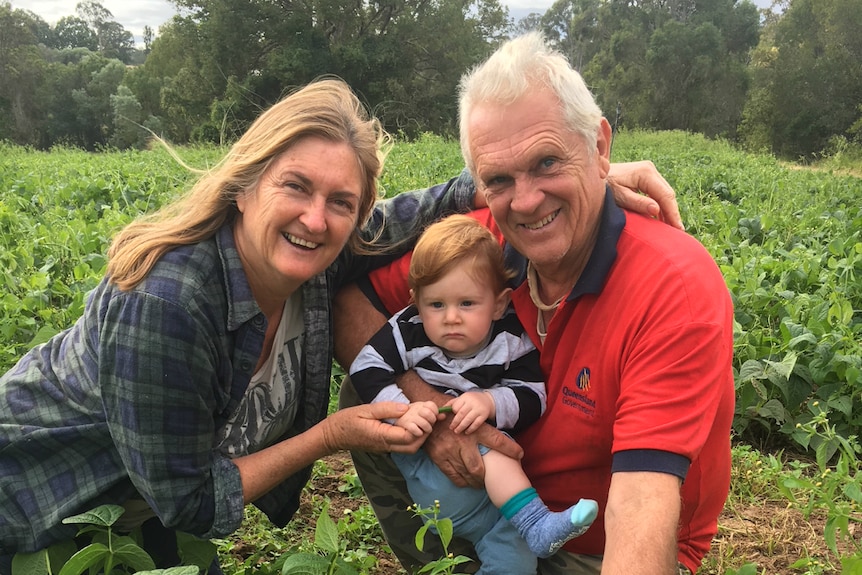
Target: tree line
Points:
(786, 80)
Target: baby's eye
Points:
(467, 303)
(436, 304)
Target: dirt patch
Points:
(767, 533)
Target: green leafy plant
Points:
(108, 553)
(836, 489)
(442, 526)
(327, 556)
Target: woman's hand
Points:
(629, 178)
(363, 428)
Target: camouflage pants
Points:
(386, 490)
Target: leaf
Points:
(134, 557)
(326, 533)
(91, 555)
(195, 551)
(305, 564)
(773, 409)
(60, 553)
(829, 533)
(445, 531)
(797, 483)
(852, 491)
(747, 569)
(420, 537)
(796, 342)
(750, 370)
(851, 565)
(31, 563)
(345, 568)
(842, 403)
(183, 570)
(785, 366)
(45, 333)
(104, 515)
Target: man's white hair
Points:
(522, 65)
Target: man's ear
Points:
(502, 302)
(604, 136)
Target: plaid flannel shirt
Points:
(125, 402)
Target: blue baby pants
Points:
(499, 546)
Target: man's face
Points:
(543, 187)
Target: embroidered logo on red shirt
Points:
(578, 398)
(584, 379)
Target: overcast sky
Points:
(135, 14)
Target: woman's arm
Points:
(629, 178)
(359, 428)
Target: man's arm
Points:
(355, 321)
(641, 524)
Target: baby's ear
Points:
(412, 296)
(502, 303)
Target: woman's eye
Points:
(345, 205)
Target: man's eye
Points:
(549, 162)
(496, 181)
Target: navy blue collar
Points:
(611, 224)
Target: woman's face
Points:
(300, 216)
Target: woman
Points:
(197, 380)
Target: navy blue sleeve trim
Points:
(651, 460)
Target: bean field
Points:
(788, 241)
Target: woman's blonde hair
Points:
(455, 239)
(327, 108)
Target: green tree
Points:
(223, 61)
(21, 76)
(74, 32)
(672, 64)
(113, 41)
(92, 101)
(807, 81)
(572, 25)
(127, 119)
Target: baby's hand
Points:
(419, 419)
(471, 410)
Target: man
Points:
(632, 319)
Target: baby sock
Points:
(543, 530)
